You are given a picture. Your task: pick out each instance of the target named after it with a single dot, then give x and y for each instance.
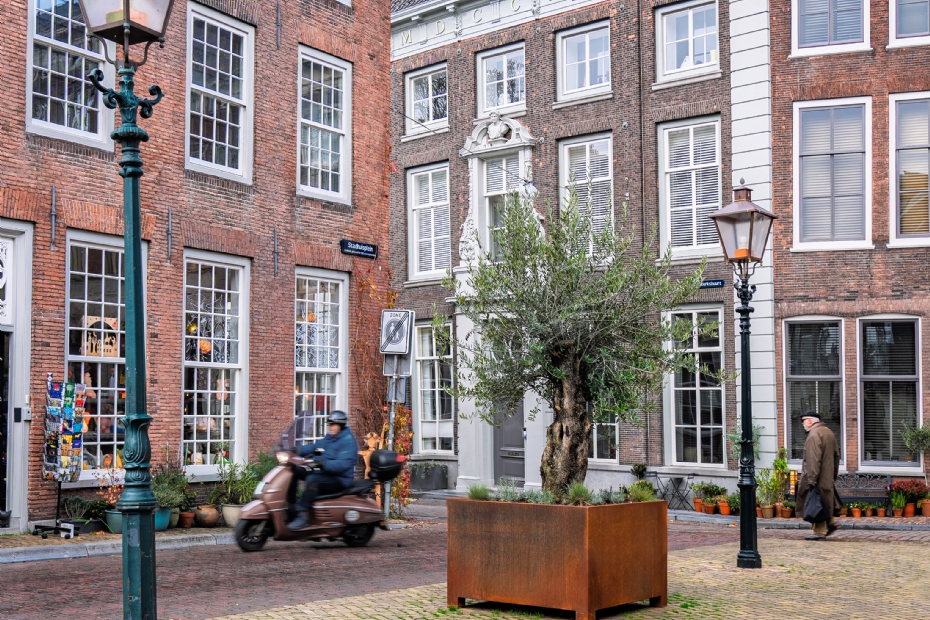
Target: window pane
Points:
(888, 407)
(913, 18)
(698, 397)
(889, 348)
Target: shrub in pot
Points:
(570, 318)
(898, 501)
(769, 488)
(238, 485)
(787, 509)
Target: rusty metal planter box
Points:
(575, 558)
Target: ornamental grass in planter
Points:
(577, 310)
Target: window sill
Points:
(689, 79)
(416, 283)
(831, 246)
(892, 470)
(435, 455)
(922, 242)
(829, 50)
(323, 196)
(906, 42)
(244, 178)
(416, 135)
(598, 96)
(49, 130)
(694, 258)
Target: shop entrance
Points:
(5, 422)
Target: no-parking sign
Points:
(396, 331)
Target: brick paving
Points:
(28, 540)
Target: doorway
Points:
(5, 422)
(510, 449)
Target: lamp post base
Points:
(748, 559)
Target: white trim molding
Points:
(585, 92)
(826, 246)
(413, 126)
(480, 75)
(895, 241)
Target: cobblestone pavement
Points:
(399, 565)
(28, 540)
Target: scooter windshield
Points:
(299, 431)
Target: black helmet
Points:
(337, 417)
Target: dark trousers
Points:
(316, 484)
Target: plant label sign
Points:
(396, 331)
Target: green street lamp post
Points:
(744, 228)
(128, 22)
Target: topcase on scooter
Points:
(385, 465)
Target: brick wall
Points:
(208, 212)
(845, 284)
(631, 115)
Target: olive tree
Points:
(570, 310)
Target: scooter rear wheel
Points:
(358, 535)
(251, 534)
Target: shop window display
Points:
(97, 349)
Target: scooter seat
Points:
(358, 487)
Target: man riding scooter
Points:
(336, 466)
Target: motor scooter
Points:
(351, 515)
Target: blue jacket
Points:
(340, 455)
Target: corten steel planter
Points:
(576, 558)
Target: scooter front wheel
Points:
(358, 535)
(251, 534)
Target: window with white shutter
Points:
(836, 26)
(691, 184)
(502, 175)
(832, 168)
(912, 165)
(890, 389)
(587, 168)
(431, 251)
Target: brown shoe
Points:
(833, 527)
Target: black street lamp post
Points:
(744, 228)
(127, 22)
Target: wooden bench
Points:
(856, 487)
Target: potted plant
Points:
(898, 501)
(787, 509)
(916, 439)
(208, 515)
(541, 286)
(186, 515)
(238, 485)
(734, 499)
(924, 505)
(428, 475)
(79, 513)
(768, 491)
(913, 490)
(880, 510)
(867, 510)
(110, 490)
(638, 470)
(697, 490)
(856, 509)
(723, 503)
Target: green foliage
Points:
(237, 484)
(264, 464)
(76, 507)
(641, 491)
(898, 499)
(607, 496)
(577, 319)
(577, 494)
(790, 504)
(735, 436)
(169, 483)
(916, 439)
(508, 491)
(638, 470)
(479, 491)
(769, 486)
(423, 468)
(539, 497)
(96, 509)
(733, 499)
(708, 490)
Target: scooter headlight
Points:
(283, 458)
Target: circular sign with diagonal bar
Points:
(396, 331)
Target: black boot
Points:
(299, 523)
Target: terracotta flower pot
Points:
(785, 513)
(759, 511)
(724, 508)
(868, 512)
(709, 509)
(768, 512)
(698, 504)
(856, 512)
(925, 508)
(909, 509)
(185, 520)
(881, 511)
(206, 515)
(898, 512)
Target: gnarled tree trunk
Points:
(565, 458)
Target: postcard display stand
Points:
(63, 457)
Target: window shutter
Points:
(425, 239)
(578, 172)
(442, 256)
(601, 186)
(513, 178)
(495, 176)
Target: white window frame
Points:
(663, 76)
(894, 41)
(89, 477)
(587, 91)
(824, 246)
(344, 195)
(105, 121)
(711, 250)
(415, 396)
(241, 432)
(894, 241)
(613, 426)
(510, 108)
(414, 127)
(413, 231)
(511, 185)
(822, 50)
(564, 171)
(786, 396)
(884, 468)
(342, 383)
(246, 155)
(668, 393)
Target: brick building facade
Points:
(659, 95)
(268, 148)
(850, 106)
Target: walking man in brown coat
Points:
(821, 465)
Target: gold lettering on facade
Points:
(406, 37)
(475, 17)
(440, 26)
(515, 5)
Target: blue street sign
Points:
(713, 284)
(357, 248)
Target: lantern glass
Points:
(735, 232)
(147, 19)
(761, 227)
